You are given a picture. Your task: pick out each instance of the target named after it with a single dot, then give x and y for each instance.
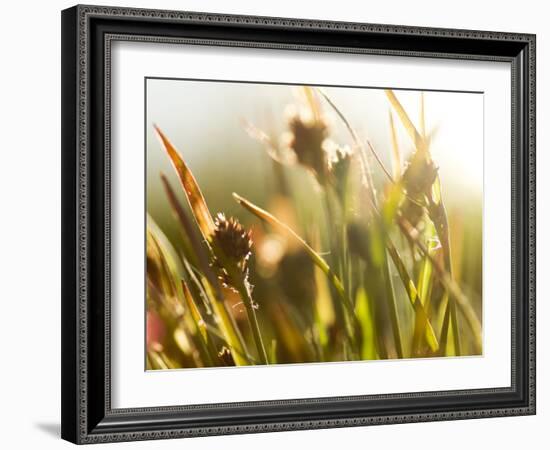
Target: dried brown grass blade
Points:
(190, 186)
(199, 250)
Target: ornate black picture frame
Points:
(87, 34)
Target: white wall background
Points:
(30, 222)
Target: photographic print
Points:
(308, 224)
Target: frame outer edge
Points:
(75, 179)
(69, 293)
(295, 23)
(532, 283)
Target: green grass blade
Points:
(438, 215)
(273, 352)
(422, 116)
(229, 329)
(276, 223)
(424, 284)
(365, 315)
(413, 133)
(207, 349)
(445, 326)
(397, 162)
(414, 297)
(402, 271)
(452, 288)
(313, 255)
(156, 361)
(394, 317)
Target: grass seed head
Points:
(419, 175)
(339, 166)
(226, 357)
(306, 138)
(413, 212)
(232, 248)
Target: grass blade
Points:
(208, 228)
(190, 186)
(408, 284)
(425, 286)
(245, 293)
(363, 311)
(357, 142)
(229, 329)
(314, 256)
(206, 347)
(422, 116)
(413, 133)
(396, 153)
(414, 297)
(198, 248)
(276, 223)
(452, 288)
(394, 316)
(366, 174)
(438, 215)
(312, 102)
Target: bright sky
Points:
(204, 118)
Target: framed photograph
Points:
(280, 224)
